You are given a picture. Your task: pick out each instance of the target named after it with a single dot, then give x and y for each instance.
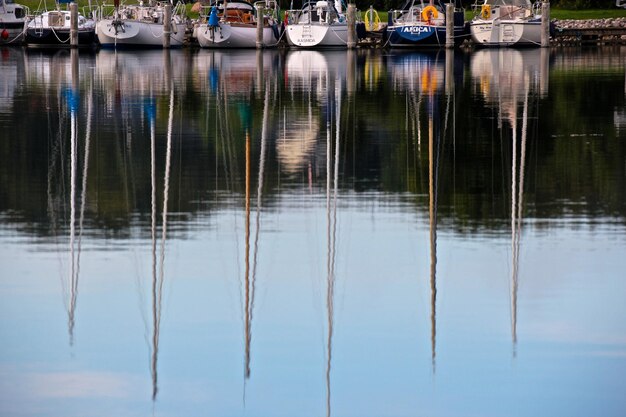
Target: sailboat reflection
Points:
(308, 75)
(507, 78)
(319, 77)
(250, 281)
(423, 76)
(331, 231)
(73, 98)
(231, 82)
(158, 273)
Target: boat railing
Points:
(26, 10)
(105, 11)
(38, 23)
(204, 12)
(136, 12)
(267, 4)
(91, 12)
(179, 9)
(270, 9)
(505, 12)
(412, 15)
(312, 13)
(293, 16)
(514, 12)
(237, 16)
(536, 11)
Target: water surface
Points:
(310, 233)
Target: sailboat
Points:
(13, 21)
(142, 25)
(234, 24)
(420, 23)
(506, 23)
(52, 29)
(317, 24)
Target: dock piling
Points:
(259, 26)
(74, 25)
(167, 25)
(351, 26)
(449, 25)
(545, 24)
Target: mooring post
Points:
(545, 24)
(449, 72)
(167, 64)
(167, 25)
(259, 26)
(75, 69)
(259, 72)
(74, 25)
(449, 25)
(351, 72)
(351, 26)
(544, 72)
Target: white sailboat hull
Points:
(506, 32)
(15, 32)
(137, 34)
(306, 35)
(233, 36)
(12, 23)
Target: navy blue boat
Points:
(422, 23)
(52, 28)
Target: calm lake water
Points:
(304, 233)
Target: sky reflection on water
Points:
(312, 233)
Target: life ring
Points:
(485, 11)
(372, 23)
(429, 13)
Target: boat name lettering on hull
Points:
(416, 29)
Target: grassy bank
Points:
(562, 14)
(586, 14)
(554, 13)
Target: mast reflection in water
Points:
(507, 78)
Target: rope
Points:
(56, 36)
(22, 33)
(338, 37)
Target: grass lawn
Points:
(469, 14)
(562, 14)
(587, 14)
